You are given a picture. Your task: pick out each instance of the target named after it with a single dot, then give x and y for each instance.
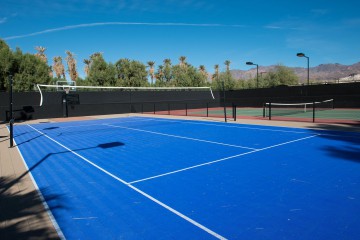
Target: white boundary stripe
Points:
(176, 136)
(227, 126)
(46, 206)
(136, 189)
(221, 160)
(321, 132)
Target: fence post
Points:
(207, 109)
(313, 111)
(270, 111)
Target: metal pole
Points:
(224, 101)
(313, 111)
(270, 111)
(11, 111)
(308, 70)
(257, 76)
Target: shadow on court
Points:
(22, 213)
(350, 134)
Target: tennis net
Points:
(298, 110)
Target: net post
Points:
(186, 109)
(11, 111)
(313, 109)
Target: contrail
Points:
(118, 23)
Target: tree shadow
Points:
(347, 133)
(23, 213)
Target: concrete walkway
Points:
(22, 213)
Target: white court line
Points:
(226, 126)
(100, 123)
(137, 190)
(221, 160)
(176, 136)
(320, 132)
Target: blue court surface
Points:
(155, 178)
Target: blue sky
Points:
(206, 32)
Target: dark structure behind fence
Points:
(345, 95)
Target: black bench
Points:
(21, 114)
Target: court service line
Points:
(229, 125)
(221, 160)
(179, 214)
(182, 137)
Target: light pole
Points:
(308, 65)
(257, 72)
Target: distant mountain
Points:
(321, 73)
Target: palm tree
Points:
(59, 67)
(202, 70)
(216, 74)
(51, 74)
(182, 61)
(95, 55)
(151, 70)
(227, 63)
(167, 62)
(71, 62)
(87, 66)
(41, 53)
(167, 70)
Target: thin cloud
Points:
(119, 23)
(3, 20)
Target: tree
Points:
(100, 72)
(281, 75)
(189, 78)
(203, 70)
(41, 53)
(6, 63)
(87, 63)
(131, 73)
(160, 77)
(58, 67)
(71, 62)
(167, 70)
(227, 64)
(216, 83)
(151, 70)
(30, 71)
(182, 61)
